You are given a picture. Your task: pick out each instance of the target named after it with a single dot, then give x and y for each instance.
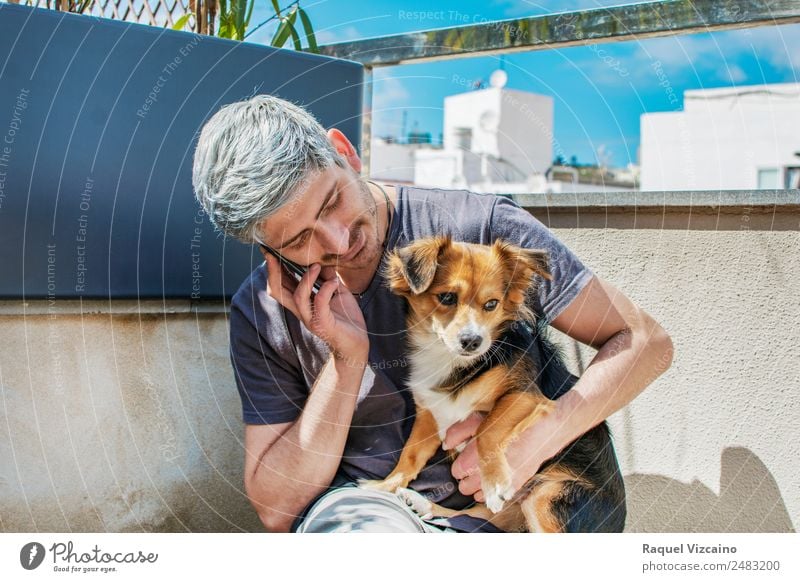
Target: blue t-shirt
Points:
(276, 360)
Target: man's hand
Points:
(522, 456)
(289, 464)
(465, 467)
(332, 314)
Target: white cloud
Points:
(605, 68)
(388, 92)
(734, 74)
(678, 52)
(777, 45)
(707, 58)
(336, 34)
(347, 31)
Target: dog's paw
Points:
(391, 484)
(497, 496)
(494, 503)
(419, 504)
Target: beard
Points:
(367, 226)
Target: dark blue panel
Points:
(98, 124)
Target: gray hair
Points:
(250, 159)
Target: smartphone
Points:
(293, 268)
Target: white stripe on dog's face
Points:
(465, 336)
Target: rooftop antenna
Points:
(498, 79)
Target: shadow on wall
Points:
(749, 500)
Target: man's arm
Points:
(288, 464)
(633, 350)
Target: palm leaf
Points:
(285, 29)
(181, 22)
(239, 8)
(295, 38)
(309, 30)
(249, 14)
(280, 35)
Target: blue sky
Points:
(599, 91)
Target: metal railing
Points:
(600, 25)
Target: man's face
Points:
(331, 220)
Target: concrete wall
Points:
(711, 445)
(119, 422)
(129, 421)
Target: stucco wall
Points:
(120, 422)
(124, 421)
(712, 444)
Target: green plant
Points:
(287, 28)
(234, 19)
(181, 22)
(76, 6)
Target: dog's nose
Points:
(470, 341)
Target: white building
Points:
(392, 162)
(495, 140)
(725, 139)
(494, 135)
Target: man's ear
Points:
(345, 148)
(411, 269)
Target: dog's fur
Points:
(469, 352)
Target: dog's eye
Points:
(448, 298)
(491, 305)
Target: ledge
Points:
(751, 202)
(665, 201)
(36, 307)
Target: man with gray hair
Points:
(321, 371)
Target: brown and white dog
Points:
(468, 351)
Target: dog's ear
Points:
(412, 268)
(520, 265)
